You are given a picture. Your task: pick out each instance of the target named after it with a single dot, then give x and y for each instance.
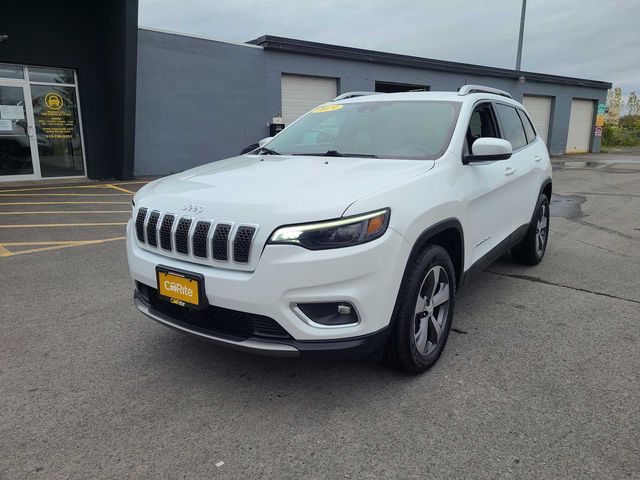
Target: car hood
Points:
(276, 190)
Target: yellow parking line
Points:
(54, 245)
(56, 225)
(121, 189)
(62, 194)
(75, 212)
(58, 242)
(70, 187)
(64, 203)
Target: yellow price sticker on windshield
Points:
(326, 108)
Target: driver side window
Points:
(482, 124)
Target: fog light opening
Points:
(328, 314)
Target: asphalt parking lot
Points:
(540, 377)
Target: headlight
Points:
(342, 232)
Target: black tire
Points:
(406, 326)
(534, 245)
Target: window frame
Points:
(521, 124)
(522, 113)
(494, 115)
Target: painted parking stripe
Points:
(70, 212)
(115, 187)
(71, 187)
(65, 203)
(4, 252)
(63, 194)
(61, 225)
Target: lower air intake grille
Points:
(242, 244)
(217, 320)
(152, 224)
(220, 242)
(182, 236)
(142, 214)
(200, 239)
(165, 232)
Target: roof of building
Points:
(290, 45)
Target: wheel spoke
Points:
(441, 296)
(421, 335)
(436, 327)
(420, 306)
(436, 282)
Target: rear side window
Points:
(528, 127)
(512, 129)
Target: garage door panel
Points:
(580, 126)
(301, 93)
(539, 109)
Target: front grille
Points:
(242, 244)
(182, 235)
(142, 214)
(217, 320)
(165, 232)
(206, 240)
(152, 224)
(200, 239)
(220, 242)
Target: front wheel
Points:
(532, 248)
(424, 311)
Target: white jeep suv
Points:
(350, 231)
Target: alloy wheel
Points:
(542, 227)
(432, 310)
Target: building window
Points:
(390, 87)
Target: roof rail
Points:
(353, 95)
(467, 89)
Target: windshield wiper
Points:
(266, 151)
(335, 153)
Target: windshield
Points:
(419, 130)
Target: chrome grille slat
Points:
(220, 242)
(182, 236)
(199, 240)
(242, 243)
(165, 232)
(152, 224)
(140, 220)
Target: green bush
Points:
(618, 136)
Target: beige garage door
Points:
(301, 93)
(539, 109)
(580, 126)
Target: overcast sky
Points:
(594, 39)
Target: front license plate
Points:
(180, 288)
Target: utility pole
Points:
(522, 14)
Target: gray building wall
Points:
(203, 100)
(198, 101)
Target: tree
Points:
(633, 104)
(614, 105)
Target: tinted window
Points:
(50, 75)
(528, 128)
(482, 124)
(511, 126)
(386, 129)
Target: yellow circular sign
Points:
(326, 108)
(53, 101)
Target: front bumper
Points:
(367, 276)
(359, 347)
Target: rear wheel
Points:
(424, 312)
(532, 248)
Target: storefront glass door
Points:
(18, 150)
(40, 130)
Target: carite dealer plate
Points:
(179, 287)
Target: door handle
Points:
(509, 171)
(537, 158)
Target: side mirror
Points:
(264, 140)
(488, 149)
